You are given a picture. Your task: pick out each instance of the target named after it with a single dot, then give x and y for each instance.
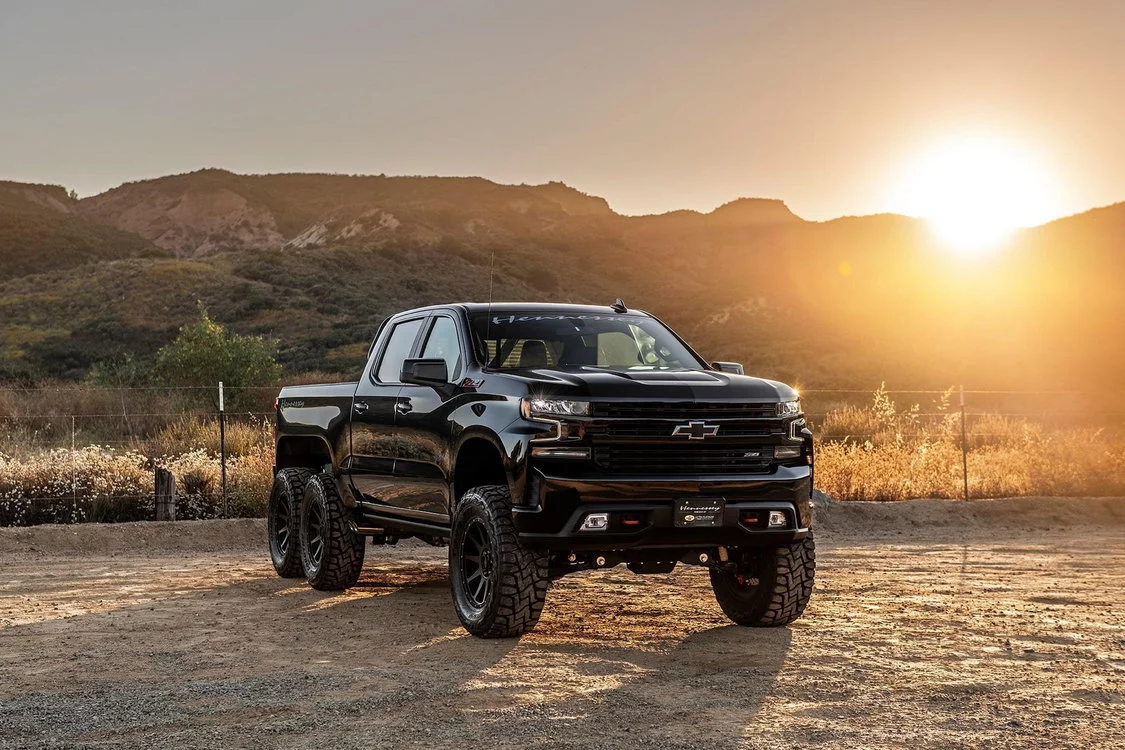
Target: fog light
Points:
(778, 519)
(787, 451)
(595, 522)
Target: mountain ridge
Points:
(316, 260)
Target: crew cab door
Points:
(423, 425)
(374, 446)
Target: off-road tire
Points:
(331, 553)
(784, 583)
(282, 513)
(516, 577)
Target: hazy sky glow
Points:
(653, 105)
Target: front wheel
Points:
(768, 587)
(332, 554)
(498, 585)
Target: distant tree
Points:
(205, 352)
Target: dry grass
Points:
(246, 437)
(877, 451)
(881, 452)
(114, 482)
(149, 420)
(119, 437)
(101, 484)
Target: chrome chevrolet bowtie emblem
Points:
(696, 430)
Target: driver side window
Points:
(442, 343)
(398, 348)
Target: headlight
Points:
(789, 408)
(546, 407)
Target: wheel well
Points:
(478, 463)
(302, 451)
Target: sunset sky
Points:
(836, 107)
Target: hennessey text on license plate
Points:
(700, 512)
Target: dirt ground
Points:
(931, 632)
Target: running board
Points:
(377, 523)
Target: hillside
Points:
(40, 230)
(316, 261)
(213, 209)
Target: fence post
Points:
(964, 447)
(165, 483)
(73, 472)
(223, 448)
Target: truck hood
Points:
(687, 385)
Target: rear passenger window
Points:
(398, 348)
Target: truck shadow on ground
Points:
(702, 691)
(233, 659)
(267, 657)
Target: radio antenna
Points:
(488, 321)
(491, 277)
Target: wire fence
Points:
(85, 453)
(73, 453)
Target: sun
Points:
(976, 191)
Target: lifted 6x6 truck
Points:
(539, 440)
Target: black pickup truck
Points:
(538, 440)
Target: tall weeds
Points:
(874, 451)
(882, 452)
(95, 483)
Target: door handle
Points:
(360, 407)
(403, 407)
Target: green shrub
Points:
(205, 353)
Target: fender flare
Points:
(512, 459)
(285, 439)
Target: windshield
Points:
(509, 341)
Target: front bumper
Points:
(556, 506)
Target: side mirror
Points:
(433, 372)
(734, 368)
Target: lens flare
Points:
(976, 191)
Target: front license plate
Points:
(700, 512)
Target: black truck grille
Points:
(682, 410)
(639, 438)
(681, 460)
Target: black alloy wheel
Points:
(316, 529)
(281, 521)
(477, 563)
